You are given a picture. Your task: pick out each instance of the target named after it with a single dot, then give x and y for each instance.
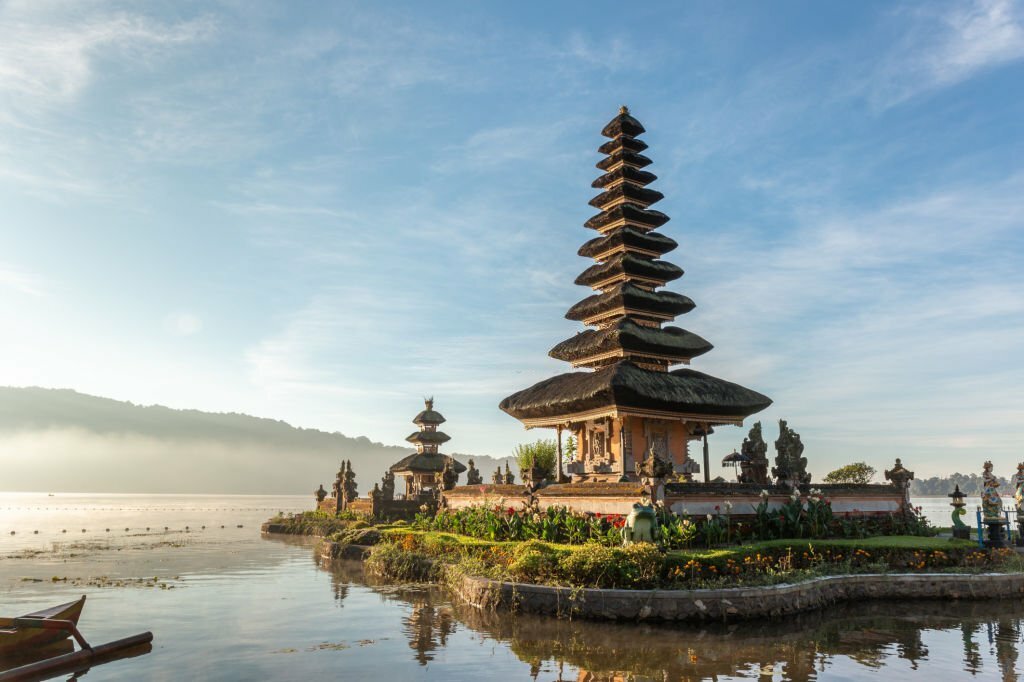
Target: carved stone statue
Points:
(641, 525)
(653, 467)
(755, 469)
(387, 487)
(349, 487)
(320, 494)
(991, 502)
(376, 494)
(509, 477)
(534, 476)
(901, 478)
(1017, 481)
(473, 476)
(448, 476)
(497, 477)
(790, 466)
(339, 479)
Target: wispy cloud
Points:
(948, 44)
(21, 281)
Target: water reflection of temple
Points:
(871, 636)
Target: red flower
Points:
(598, 514)
(511, 511)
(716, 507)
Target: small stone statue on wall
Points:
(473, 476)
(653, 467)
(533, 477)
(349, 486)
(901, 478)
(497, 477)
(509, 477)
(755, 469)
(320, 494)
(790, 466)
(448, 476)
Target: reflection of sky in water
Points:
(247, 608)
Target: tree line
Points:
(970, 485)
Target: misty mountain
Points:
(62, 440)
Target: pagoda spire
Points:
(628, 309)
(629, 400)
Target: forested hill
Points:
(59, 439)
(970, 484)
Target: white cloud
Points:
(183, 324)
(945, 48)
(20, 281)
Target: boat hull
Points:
(20, 640)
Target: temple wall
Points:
(693, 498)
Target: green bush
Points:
(394, 563)
(545, 451)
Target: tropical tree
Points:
(858, 473)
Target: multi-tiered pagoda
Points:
(423, 469)
(629, 402)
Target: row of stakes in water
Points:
(187, 529)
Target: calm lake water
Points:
(228, 604)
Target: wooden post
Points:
(707, 459)
(558, 456)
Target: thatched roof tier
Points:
(623, 124)
(428, 437)
(626, 338)
(622, 142)
(624, 386)
(425, 463)
(624, 174)
(629, 299)
(428, 417)
(623, 158)
(627, 214)
(628, 239)
(627, 266)
(626, 193)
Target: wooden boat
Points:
(43, 636)
(17, 637)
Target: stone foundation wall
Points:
(696, 499)
(733, 603)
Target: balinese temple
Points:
(627, 400)
(422, 469)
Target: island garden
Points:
(614, 501)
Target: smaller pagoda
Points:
(422, 470)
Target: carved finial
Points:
(623, 109)
(429, 402)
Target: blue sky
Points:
(321, 212)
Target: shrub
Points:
(394, 563)
(544, 450)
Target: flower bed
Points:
(642, 566)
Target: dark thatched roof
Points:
(631, 265)
(622, 142)
(683, 391)
(625, 334)
(627, 295)
(632, 213)
(423, 462)
(627, 157)
(632, 193)
(628, 236)
(626, 173)
(428, 416)
(428, 437)
(623, 124)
